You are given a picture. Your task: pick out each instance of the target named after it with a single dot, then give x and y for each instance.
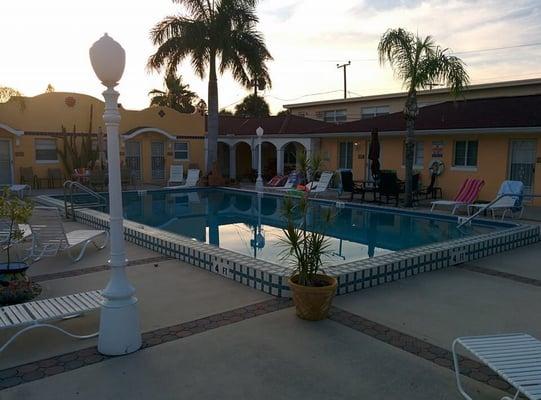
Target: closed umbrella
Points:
(373, 154)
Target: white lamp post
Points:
(120, 332)
(259, 181)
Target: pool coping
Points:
(352, 276)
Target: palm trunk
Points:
(213, 122)
(410, 113)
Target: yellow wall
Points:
(48, 113)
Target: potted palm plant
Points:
(15, 286)
(305, 247)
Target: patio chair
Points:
(468, 193)
(431, 190)
(28, 177)
(514, 357)
(277, 181)
(322, 185)
(191, 180)
(292, 180)
(54, 175)
(389, 186)
(20, 190)
(512, 203)
(49, 237)
(349, 186)
(97, 179)
(38, 314)
(176, 174)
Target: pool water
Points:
(252, 225)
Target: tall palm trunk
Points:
(410, 112)
(213, 122)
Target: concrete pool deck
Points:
(208, 337)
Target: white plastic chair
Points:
(512, 202)
(191, 180)
(176, 174)
(49, 237)
(322, 185)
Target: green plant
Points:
(309, 167)
(419, 63)
(15, 212)
(304, 246)
(76, 153)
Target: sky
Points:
(44, 42)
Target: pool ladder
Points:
(73, 187)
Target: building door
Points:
(133, 158)
(522, 163)
(6, 163)
(158, 161)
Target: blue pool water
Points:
(246, 223)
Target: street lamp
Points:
(259, 181)
(120, 332)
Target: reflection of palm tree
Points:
(176, 95)
(212, 30)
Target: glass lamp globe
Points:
(108, 59)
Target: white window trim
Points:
(187, 150)
(463, 168)
(56, 161)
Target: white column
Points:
(232, 161)
(279, 161)
(254, 154)
(120, 332)
(259, 181)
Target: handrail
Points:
(69, 186)
(486, 206)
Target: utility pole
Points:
(345, 77)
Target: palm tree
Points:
(212, 31)
(419, 63)
(176, 95)
(7, 93)
(252, 106)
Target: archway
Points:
(268, 160)
(291, 155)
(243, 154)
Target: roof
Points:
(491, 113)
(274, 125)
(482, 86)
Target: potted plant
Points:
(15, 286)
(304, 247)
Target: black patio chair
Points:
(431, 190)
(389, 186)
(349, 186)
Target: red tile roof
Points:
(498, 112)
(275, 125)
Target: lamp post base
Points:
(119, 328)
(259, 184)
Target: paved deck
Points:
(207, 337)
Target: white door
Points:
(133, 158)
(523, 155)
(6, 163)
(158, 161)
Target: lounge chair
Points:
(37, 314)
(468, 193)
(322, 185)
(191, 180)
(49, 237)
(176, 175)
(514, 357)
(277, 181)
(389, 186)
(293, 180)
(512, 203)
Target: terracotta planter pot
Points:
(313, 303)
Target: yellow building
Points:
(32, 128)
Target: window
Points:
(418, 154)
(46, 150)
(371, 112)
(181, 151)
(335, 116)
(466, 153)
(346, 155)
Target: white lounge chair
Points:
(292, 181)
(176, 174)
(49, 237)
(516, 358)
(322, 185)
(20, 190)
(37, 314)
(191, 180)
(511, 203)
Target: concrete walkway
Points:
(207, 337)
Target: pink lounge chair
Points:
(468, 193)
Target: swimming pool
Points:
(251, 224)
(234, 233)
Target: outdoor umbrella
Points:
(373, 154)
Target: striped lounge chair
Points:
(468, 193)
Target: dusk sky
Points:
(47, 42)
